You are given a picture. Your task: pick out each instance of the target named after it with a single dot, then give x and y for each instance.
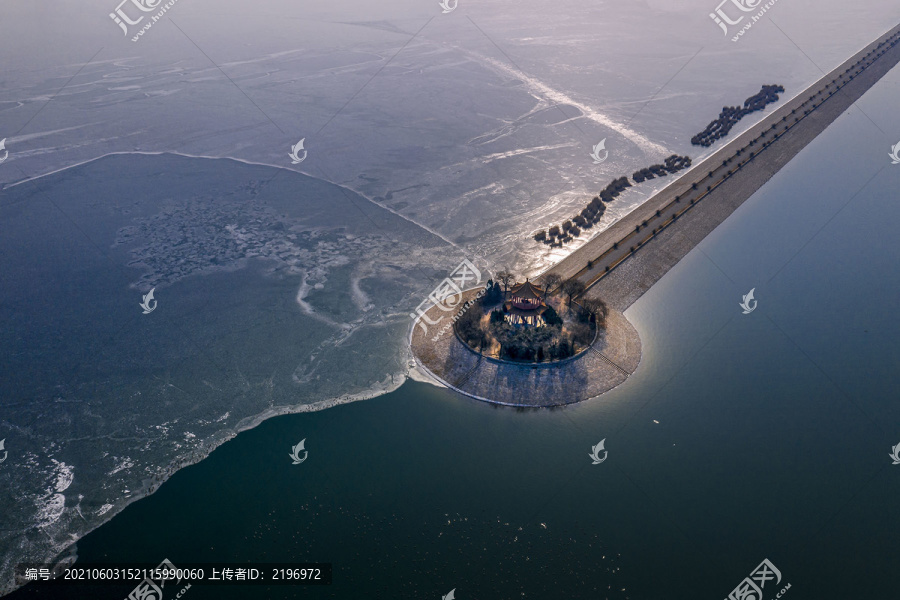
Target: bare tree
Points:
(551, 281)
(596, 308)
(572, 288)
(505, 277)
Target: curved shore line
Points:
(608, 362)
(242, 161)
(150, 485)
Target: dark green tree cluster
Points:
(570, 229)
(592, 213)
(493, 293)
(533, 344)
(561, 349)
(615, 187)
(469, 328)
(551, 317)
(730, 115)
(673, 164)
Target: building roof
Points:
(513, 310)
(527, 291)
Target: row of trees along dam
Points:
(590, 215)
(730, 115)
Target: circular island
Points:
(525, 345)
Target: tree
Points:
(596, 308)
(582, 334)
(469, 328)
(551, 317)
(571, 288)
(551, 281)
(493, 293)
(505, 277)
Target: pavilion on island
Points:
(525, 305)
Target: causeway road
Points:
(619, 264)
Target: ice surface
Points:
(280, 291)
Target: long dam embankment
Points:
(624, 261)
